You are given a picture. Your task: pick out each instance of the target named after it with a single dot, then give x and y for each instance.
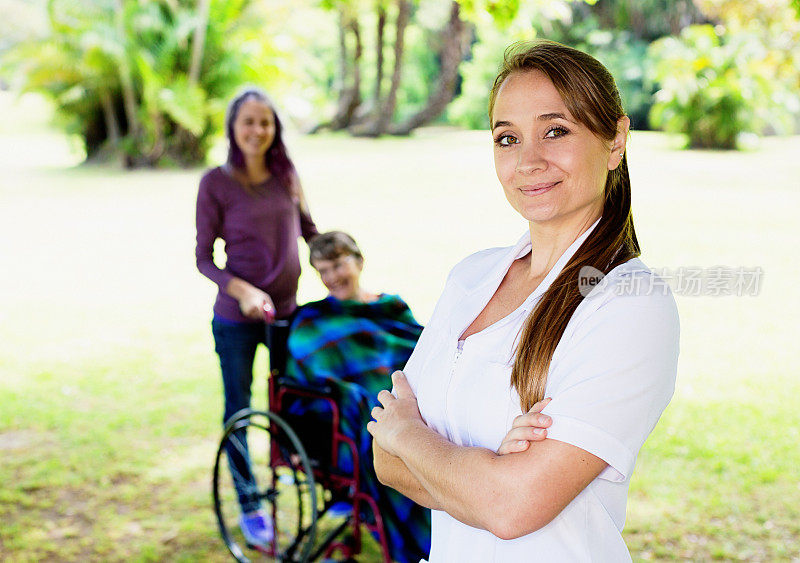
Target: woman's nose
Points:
(530, 158)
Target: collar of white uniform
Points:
(520, 249)
(486, 283)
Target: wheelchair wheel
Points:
(279, 479)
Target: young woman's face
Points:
(254, 128)
(340, 276)
(552, 168)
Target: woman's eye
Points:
(556, 132)
(505, 140)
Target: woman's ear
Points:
(619, 143)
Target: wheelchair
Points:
(297, 483)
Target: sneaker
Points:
(256, 527)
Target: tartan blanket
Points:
(358, 346)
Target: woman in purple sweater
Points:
(255, 203)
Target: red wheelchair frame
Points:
(342, 487)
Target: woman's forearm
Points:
(392, 472)
(452, 476)
(238, 288)
(510, 495)
(456, 478)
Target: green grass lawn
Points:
(110, 396)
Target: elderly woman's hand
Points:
(397, 414)
(527, 428)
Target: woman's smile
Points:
(538, 189)
(258, 143)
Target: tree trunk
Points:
(376, 96)
(349, 95)
(125, 79)
(129, 100)
(344, 58)
(453, 41)
(110, 119)
(687, 13)
(159, 146)
(637, 20)
(403, 14)
(199, 41)
(605, 14)
(356, 96)
(384, 113)
(336, 121)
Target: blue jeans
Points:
(235, 344)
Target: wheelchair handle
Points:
(268, 311)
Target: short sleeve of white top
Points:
(611, 376)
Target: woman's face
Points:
(552, 168)
(254, 128)
(340, 275)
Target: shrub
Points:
(118, 73)
(625, 58)
(714, 86)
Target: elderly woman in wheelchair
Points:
(341, 353)
(353, 340)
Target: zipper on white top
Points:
(448, 393)
(459, 351)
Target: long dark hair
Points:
(591, 96)
(276, 158)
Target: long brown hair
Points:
(591, 96)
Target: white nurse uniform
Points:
(610, 378)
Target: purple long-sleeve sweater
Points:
(260, 233)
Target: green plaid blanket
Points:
(358, 346)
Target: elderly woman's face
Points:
(552, 168)
(340, 275)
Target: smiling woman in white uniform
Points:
(515, 325)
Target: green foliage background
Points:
(737, 74)
(90, 51)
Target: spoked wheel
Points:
(279, 480)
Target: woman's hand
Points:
(395, 416)
(252, 301)
(527, 428)
(254, 304)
